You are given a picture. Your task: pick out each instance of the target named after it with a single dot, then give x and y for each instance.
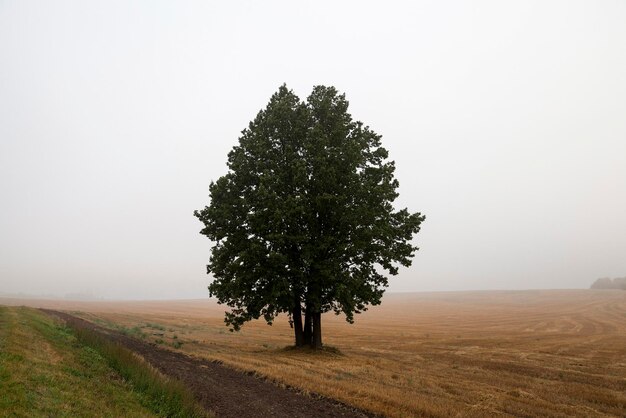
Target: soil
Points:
(224, 391)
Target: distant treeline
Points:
(606, 283)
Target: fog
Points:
(507, 122)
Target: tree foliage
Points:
(303, 222)
(607, 283)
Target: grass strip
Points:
(46, 372)
(166, 397)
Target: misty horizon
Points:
(506, 123)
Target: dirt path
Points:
(225, 391)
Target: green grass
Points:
(136, 332)
(155, 326)
(45, 371)
(142, 332)
(48, 369)
(165, 396)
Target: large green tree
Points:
(303, 222)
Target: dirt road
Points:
(225, 391)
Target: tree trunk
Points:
(308, 325)
(296, 316)
(316, 342)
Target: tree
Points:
(607, 283)
(303, 222)
(602, 283)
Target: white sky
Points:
(507, 121)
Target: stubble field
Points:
(522, 353)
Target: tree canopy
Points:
(607, 283)
(303, 222)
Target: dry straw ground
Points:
(523, 353)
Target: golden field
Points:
(488, 353)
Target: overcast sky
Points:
(507, 122)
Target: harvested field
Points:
(224, 391)
(522, 353)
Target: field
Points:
(45, 372)
(522, 353)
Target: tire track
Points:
(226, 392)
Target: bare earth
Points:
(226, 392)
(498, 353)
